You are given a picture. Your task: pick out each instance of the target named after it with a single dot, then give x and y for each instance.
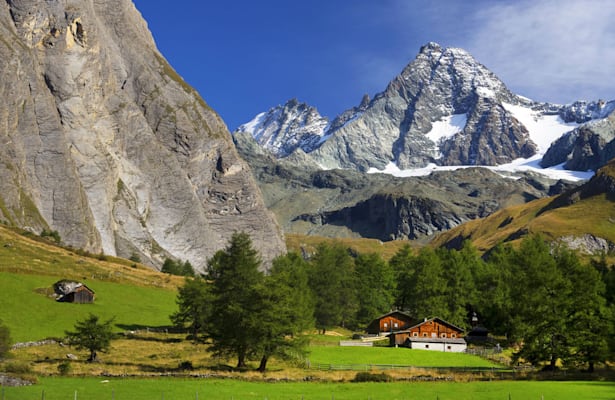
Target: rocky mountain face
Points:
(283, 129)
(444, 108)
(347, 203)
(587, 147)
(105, 143)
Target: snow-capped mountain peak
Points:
(284, 128)
(443, 109)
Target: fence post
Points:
(75, 395)
(43, 395)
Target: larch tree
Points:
(91, 334)
(287, 311)
(236, 281)
(194, 303)
(376, 285)
(333, 283)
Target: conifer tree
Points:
(91, 335)
(235, 309)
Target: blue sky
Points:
(246, 56)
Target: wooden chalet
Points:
(390, 322)
(431, 334)
(73, 292)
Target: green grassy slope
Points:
(136, 296)
(393, 355)
(31, 314)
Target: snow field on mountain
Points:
(543, 130)
(447, 128)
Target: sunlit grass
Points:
(216, 389)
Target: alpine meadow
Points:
(445, 237)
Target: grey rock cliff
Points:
(104, 142)
(588, 147)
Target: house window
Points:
(424, 334)
(426, 346)
(448, 347)
(453, 335)
(415, 334)
(434, 334)
(386, 325)
(395, 325)
(443, 334)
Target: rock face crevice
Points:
(104, 142)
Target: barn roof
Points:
(439, 320)
(396, 312)
(373, 326)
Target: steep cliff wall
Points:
(104, 142)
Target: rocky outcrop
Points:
(588, 244)
(588, 147)
(104, 142)
(491, 137)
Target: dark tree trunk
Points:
(241, 360)
(93, 356)
(263, 365)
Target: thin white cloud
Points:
(550, 50)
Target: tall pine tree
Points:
(236, 281)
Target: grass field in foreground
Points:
(215, 389)
(32, 315)
(393, 355)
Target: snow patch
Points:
(485, 92)
(506, 170)
(447, 127)
(543, 129)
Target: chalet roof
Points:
(439, 320)
(396, 312)
(64, 287)
(374, 325)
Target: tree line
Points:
(536, 295)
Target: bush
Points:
(185, 366)
(177, 267)
(52, 235)
(369, 377)
(65, 368)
